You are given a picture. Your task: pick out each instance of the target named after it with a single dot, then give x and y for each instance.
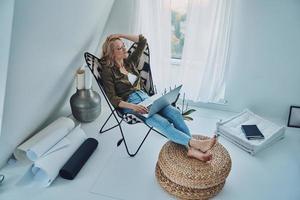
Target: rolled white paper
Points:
(44, 140)
(80, 79)
(46, 169)
(87, 78)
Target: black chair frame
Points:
(94, 63)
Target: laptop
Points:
(157, 102)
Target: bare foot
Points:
(195, 153)
(203, 145)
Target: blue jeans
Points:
(168, 121)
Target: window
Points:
(178, 19)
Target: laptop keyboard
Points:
(148, 102)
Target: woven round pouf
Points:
(188, 178)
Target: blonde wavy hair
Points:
(108, 51)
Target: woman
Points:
(123, 86)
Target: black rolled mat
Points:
(78, 159)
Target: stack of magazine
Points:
(250, 132)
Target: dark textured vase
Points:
(85, 105)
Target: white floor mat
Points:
(132, 178)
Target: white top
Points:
(132, 78)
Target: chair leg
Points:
(103, 131)
(123, 139)
(156, 130)
(159, 133)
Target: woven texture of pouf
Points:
(188, 178)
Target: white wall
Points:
(119, 20)
(265, 61)
(6, 20)
(47, 44)
(264, 64)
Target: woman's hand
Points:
(136, 108)
(115, 36)
(133, 38)
(139, 109)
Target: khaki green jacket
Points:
(116, 84)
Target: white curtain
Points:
(152, 18)
(205, 51)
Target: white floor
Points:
(110, 174)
